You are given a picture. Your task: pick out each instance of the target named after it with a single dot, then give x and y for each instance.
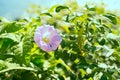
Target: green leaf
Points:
(73, 37)
(116, 44)
(17, 68)
(111, 17)
(61, 77)
(11, 36)
(27, 43)
(101, 30)
(102, 42)
(6, 44)
(107, 28)
(67, 18)
(63, 43)
(91, 9)
(18, 49)
(5, 56)
(73, 57)
(47, 14)
(13, 66)
(57, 54)
(65, 55)
(93, 49)
(110, 71)
(31, 74)
(104, 77)
(83, 72)
(7, 40)
(38, 60)
(2, 65)
(59, 8)
(11, 27)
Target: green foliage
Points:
(111, 17)
(89, 49)
(11, 27)
(59, 8)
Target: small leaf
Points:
(97, 76)
(115, 43)
(102, 42)
(38, 60)
(90, 8)
(47, 14)
(111, 71)
(73, 57)
(111, 36)
(59, 8)
(107, 51)
(73, 37)
(63, 43)
(2, 65)
(83, 72)
(102, 65)
(67, 18)
(111, 17)
(104, 77)
(61, 77)
(101, 30)
(111, 51)
(93, 49)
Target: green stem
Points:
(65, 65)
(80, 39)
(61, 62)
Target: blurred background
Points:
(16, 8)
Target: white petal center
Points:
(46, 37)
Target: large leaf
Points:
(18, 49)
(17, 68)
(6, 44)
(11, 36)
(13, 66)
(27, 43)
(11, 27)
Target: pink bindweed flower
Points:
(47, 38)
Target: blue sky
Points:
(16, 8)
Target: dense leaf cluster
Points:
(89, 50)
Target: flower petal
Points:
(47, 32)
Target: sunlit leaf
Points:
(111, 17)
(11, 27)
(90, 8)
(19, 68)
(11, 36)
(47, 14)
(102, 65)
